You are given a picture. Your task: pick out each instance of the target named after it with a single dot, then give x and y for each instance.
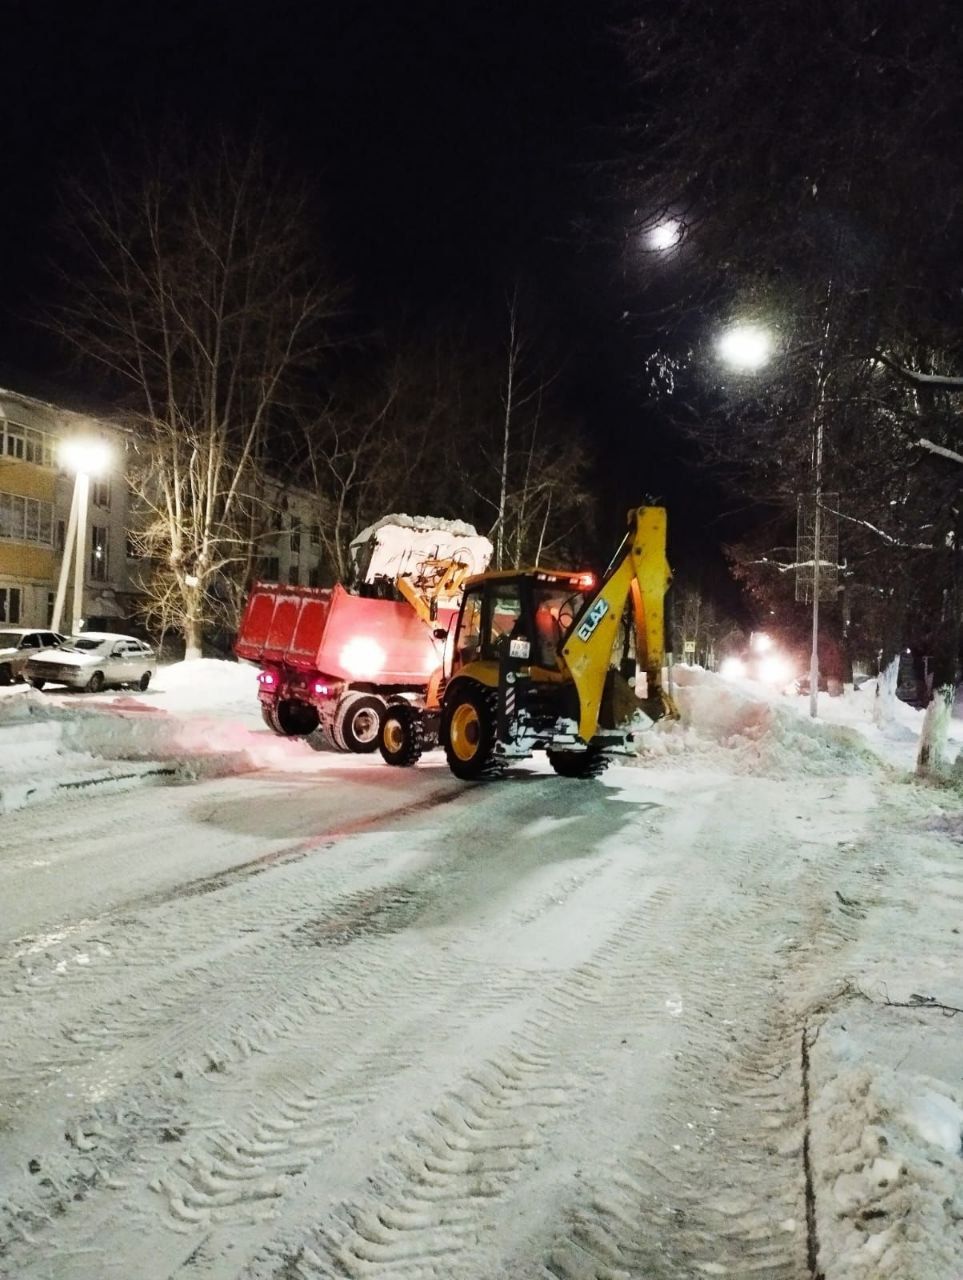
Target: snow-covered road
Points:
(343, 1020)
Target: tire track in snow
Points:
(655, 1214)
(386, 989)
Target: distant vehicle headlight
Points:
(732, 668)
(775, 669)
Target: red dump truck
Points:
(333, 660)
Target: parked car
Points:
(94, 660)
(18, 645)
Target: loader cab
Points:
(522, 617)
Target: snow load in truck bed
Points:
(398, 546)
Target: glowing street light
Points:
(85, 457)
(746, 347)
(664, 235)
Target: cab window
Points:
(506, 612)
(556, 608)
(470, 627)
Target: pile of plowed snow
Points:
(49, 742)
(757, 733)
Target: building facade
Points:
(35, 498)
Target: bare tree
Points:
(539, 498)
(790, 148)
(193, 283)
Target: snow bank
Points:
(205, 685)
(190, 724)
(756, 731)
(887, 1148)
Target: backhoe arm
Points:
(644, 573)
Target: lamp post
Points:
(85, 457)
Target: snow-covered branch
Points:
(940, 449)
(796, 564)
(887, 537)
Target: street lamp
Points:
(746, 347)
(85, 457)
(664, 235)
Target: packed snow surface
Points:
(292, 1014)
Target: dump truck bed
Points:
(339, 635)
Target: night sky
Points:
(453, 145)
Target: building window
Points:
(272, 569)
(60, 535)
(314, 576)
(315, 535)
(98, 553)
(10, 604)
(27, 444)
(100, 493)
(26, 520)
(293, 576)
(295, 536)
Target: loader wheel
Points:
(468, 734)
(357, 723)
(578, 764)
(401, 741)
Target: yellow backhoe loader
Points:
(536, 660)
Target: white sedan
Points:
(94, 660)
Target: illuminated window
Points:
(98, 553)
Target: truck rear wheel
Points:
(468, 725)
(401, 742)
(357, 723)
(579, 764)
(289, 718)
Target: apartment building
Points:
(35, 496)
(291, 547)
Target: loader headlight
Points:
(362, 656)
(732, 668)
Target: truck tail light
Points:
(586, 581)
(268, 679)
(320, 689)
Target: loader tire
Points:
(357, 723)
(402, 739)
(469, 720)
(578, 764)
